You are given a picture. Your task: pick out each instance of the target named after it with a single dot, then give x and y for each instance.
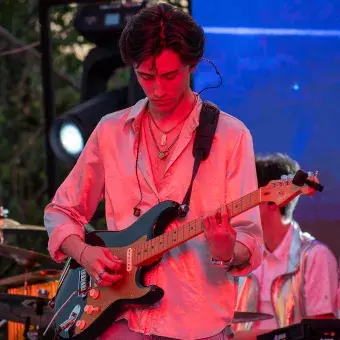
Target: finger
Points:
(218, 217)
(111, 265)
(207, 223)
(228, 226)
(100, 275)
(110, 256)
(110, 277)
(105, 283)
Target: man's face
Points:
(164, 79)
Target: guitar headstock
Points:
(284, 190)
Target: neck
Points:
(182, 108)
(161, 244)
(274, 231)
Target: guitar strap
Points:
(202, 144)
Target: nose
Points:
(158, 89)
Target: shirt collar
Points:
(282, 250)
(136, 111)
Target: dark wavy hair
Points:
(160, 27)
(273, 166)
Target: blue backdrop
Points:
(280, 63)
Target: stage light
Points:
(102, 25)
(71, 138)
(71, 130)
(296, 87)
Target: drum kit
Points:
(24, 300)
(25, 305)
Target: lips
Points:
(161, 102)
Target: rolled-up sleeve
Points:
(242, 180)
(76, 199)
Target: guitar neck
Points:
(171, 239)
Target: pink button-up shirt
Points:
(199, 298)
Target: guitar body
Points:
(108, 303)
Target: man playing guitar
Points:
(141, 156)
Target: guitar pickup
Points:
(129, 254)
(84, 283)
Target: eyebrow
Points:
(142, 73)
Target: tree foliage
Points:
(22, 146)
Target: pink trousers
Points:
(120, 331)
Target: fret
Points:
(174, 237)
(145, 251)
(191, 227)
(201, 225)
(139, 254)
(180, 236)
(167, 235)
(152, 246)
(156, 246)
(161, 242)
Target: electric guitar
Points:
(84, 310)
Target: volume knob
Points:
(94, 293)
(88, 309)
(81, 324)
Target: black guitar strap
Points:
(202, 144)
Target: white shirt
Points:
(321, 279)
(199, 299)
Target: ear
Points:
(192, 68)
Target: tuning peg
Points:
(291, 176)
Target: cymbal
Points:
(250, 316)
(7, 221)
(31, 278)
(24, 227)
(18, 308)
(8, 224)
(27, 258)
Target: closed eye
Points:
(146, 76)
(171, 76)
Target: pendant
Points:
(163, 140)
(162, 154)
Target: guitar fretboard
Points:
(171, 239)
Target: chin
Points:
(166, 108)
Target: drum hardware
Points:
(250, 317)
(24, 308)
(28, 258)
(31, 278)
